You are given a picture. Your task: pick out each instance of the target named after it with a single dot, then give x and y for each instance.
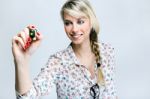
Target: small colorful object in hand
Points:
(32, 33)
(32, 36)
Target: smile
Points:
(76, 36)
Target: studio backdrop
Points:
(125, 24)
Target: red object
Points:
(28, 43)
(29, 39)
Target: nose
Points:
(75, 28)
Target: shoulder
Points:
(60, 55)
(107, 55)
(108, 67)
(106, 51)
(106, 48)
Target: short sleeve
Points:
(44, 81)
(108, 69)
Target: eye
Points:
(67, 23)
(80, 22)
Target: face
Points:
(77, 29)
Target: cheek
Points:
(87, 28)
(67, 30)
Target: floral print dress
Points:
(72, 79)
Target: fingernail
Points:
(32, 26)
(29, 39)
(19, 35)
(25, 47)
(38, 33)
(16, 41)
(28, 44)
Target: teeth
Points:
(76, 35)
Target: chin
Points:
(77, 42)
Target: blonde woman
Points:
(84, 70)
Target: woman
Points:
(84, 70)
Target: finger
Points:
(22, 35)
(26, 30)
(39, 36)
(31, 26)
(28, 38)
(18, 40)
(14, 41)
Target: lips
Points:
(76, 36)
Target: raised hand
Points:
(25, 43)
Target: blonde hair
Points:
(83, 8)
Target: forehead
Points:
(70, 17)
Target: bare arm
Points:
(22, 52)
(22, 77)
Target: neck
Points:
(84, 54)
(82, 50)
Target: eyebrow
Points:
(77, 19)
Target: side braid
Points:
(96, 51)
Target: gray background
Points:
(124, 23)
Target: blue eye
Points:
(80, 22)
